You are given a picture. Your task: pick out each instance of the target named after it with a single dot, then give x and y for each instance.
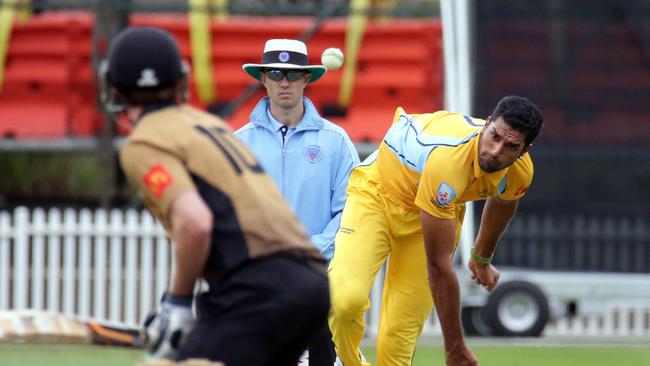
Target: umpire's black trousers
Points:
(264, 314)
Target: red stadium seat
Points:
(36, 120)
(48, 86)
(400, 63)
(50, 76)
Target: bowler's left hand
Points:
(485, 275)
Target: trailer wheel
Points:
(517, 309)
(472, 319)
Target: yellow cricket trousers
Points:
(372, 228)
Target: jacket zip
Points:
(283, 130)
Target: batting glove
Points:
(166, 328)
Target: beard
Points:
(489, 165)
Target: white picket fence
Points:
(106, 265)
(114, 266)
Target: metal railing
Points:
(577, 243)
(400, 8)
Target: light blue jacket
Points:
(311, 166)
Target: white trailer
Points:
(525, 300)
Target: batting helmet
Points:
(141, 58)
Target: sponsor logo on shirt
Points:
(521, 190)
(313, 153)
(157, 179)
(445, 196)
(346, 230)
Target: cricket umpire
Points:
(268, 291)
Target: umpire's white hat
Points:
(285, 54)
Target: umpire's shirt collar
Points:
(311, 120)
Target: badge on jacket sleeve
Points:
(313, 153)
(157, 179)
(445, 195)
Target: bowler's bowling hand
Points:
(485, 275)
(460, 355)
(166, 327)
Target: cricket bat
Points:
(51, 327)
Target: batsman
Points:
(268, 291)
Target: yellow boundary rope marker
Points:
(221, 13)
(201, 45)
(25, 11)
(354, 35)
(7, 12)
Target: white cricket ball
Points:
(332, 58)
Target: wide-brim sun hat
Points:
(285, 54)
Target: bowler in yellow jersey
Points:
(412, 191)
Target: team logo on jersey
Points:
(148, 78)
(157, 180)
(313, 153)
(444, 196)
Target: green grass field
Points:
(64, 355)
(537, 356)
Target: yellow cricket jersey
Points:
(430, 162)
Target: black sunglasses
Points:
(278, 74)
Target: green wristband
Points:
(480, 259)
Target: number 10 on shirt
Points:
(239, 158)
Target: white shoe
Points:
(304, 359)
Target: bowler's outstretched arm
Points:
(439, 238)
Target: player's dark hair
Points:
(144, 96)
(521, 115)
